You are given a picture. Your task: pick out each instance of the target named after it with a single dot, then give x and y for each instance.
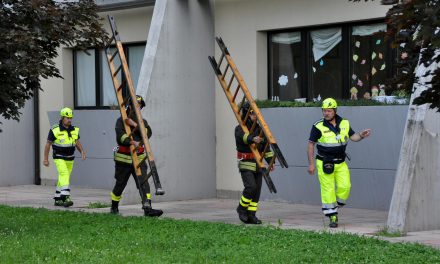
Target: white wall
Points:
(242, 25)
(133, 25)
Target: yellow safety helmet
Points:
(329, 103)
(66, 112)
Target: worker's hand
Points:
(365, 133)
(130, 122)
(273, 168)
(83, 155)
(134, 143)
(46, 163)
(311, 169)
(257, 139)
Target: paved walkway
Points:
(284, 215)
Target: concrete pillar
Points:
(178, 85)
(415, 197)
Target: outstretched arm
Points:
(361, 135)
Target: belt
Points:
(331, 159)
(126, 150)
(245, 156)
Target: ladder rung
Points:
(142, 161)
(109, 42)
(117, 71)
(132, 132)
(253, 127)
(247, 115)
(235, 94)
(231, 80)
(264, 151)
(125, 101)
(226, 70)
(113, 56)
(221, 60)
(122, 85)
(242, 103)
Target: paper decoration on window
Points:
(295, 75)
(373, 55)
(367, 96)
(382, 67)
(314, 69)
(283, 80)
(373, 71)
(363, 61)
(378, 42)
(380, 55)
(357, 44)
(353, 93)
(354, 76)
(360, 83)
(355, 57)
(404, 55)
(321, 62)
(402, 45)
(374, 91)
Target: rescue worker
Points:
(123, 162)
(331, 135)
(63, 137)
(250, 173)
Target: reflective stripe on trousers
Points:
(330, 196)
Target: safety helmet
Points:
(66, 112)
(140, 101)
(329, 103)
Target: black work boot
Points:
(253, 219)
(67, 202)
(58, 201)
(242, 214)
(149, 211)
(333, 221)
(114, 209)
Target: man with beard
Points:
(331, 135)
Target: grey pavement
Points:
(283, 215)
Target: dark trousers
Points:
(252, 182)
(122, 174)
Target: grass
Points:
(30, 235)
(98, 205)
(385, 232)
(360, 102)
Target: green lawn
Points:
(41, 236)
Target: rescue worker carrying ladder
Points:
(250, 174)
(331, 135)
(123, 163)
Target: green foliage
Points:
(42, 236)
(31, 32)
(361, 102)
(387, 233)
(98, 205)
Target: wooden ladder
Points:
(230, 77)
(129, 100)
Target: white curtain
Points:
(368, 29)
(325, 40)
(108, 91)
(85, 78)
(135, 58)
(287, 38)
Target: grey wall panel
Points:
(17, 148)
(373, 161)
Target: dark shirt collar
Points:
(68, 129)
(336, 128)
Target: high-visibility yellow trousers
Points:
(331, 195)
(64, 168)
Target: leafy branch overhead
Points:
(415, 27)
(31, 35)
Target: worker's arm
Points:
(80, 149)
(148, 128)
(361, 135)
(121, 137)
(46, 153)
(311, 157)
(246, 138)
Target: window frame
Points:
(98, 76)
(306, 45)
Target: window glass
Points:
(286, 71)
(85, 78)
(135, 58)
(108, 95)
(325, 70)
(368, 61)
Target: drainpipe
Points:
(37, 176)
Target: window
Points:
(343, 61)
(93, 83)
